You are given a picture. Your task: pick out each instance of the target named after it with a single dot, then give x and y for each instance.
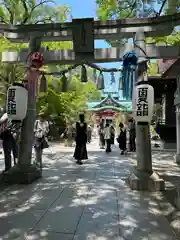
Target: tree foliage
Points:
(117, 9)
(59, 106)
(32, 11)
(153, 69)
(64, 106)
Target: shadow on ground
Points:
(88, 202)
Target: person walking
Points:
(107, 137)
(69, 132)
(7, 141)
(122, 138)
(89, 133)
(80, 152)
(112, 134)
(41, 130)
(101, 136)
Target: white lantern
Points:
(16, 106)
(3, 118)
(143, 103)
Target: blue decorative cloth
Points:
(130, 59)
(128, 74)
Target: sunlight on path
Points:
(88, 202)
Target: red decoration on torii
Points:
(36, 59)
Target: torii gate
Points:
(83, 32)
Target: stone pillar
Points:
(178, 134)
(143, 177)
(27, 130)
(24, 171)
(143, 148)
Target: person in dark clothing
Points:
(8, 144)
(132, 136)
(80, 152)
(122, 138)
(112, 134)
(107, 137)
(15, 150)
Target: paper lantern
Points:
(55, 84)
(64, 81)
(43, 84)
(94, 75)
(17, 98)
(143, 103)
(4, 117)
(100, 81)
(84, 78)
(121, 83)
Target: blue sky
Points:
(84, 9)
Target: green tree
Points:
(153, 69)
(117, 9)
(26, 12)
(64, 106)
(32, 11)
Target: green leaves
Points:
(32, 11)
(66, 105)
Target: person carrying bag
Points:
(41, 130)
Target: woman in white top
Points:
(41, 130)
(107, 137)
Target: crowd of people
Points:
(80, 134)
(107, 135)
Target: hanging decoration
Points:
(113, 80)
(128, 74)
(43, 84)
(83, 74)
(121, 83)
(95, 75)
(70, 76)
(55, 83)
(36, 59)
(100, 81)
(64, 83)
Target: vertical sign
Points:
(142, 103)
(11, 109)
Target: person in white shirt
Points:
(41, 130)
(107, 137)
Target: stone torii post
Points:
(143, 177)
(83, 32)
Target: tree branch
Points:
(39, 4)
(28, 13)
(44, 20)
(2, 20)
(11, 18)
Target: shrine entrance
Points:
(110, 110)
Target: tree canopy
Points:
(59, 106)
(117, 9)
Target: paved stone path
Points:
(88, 202)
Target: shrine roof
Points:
(109, 103)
